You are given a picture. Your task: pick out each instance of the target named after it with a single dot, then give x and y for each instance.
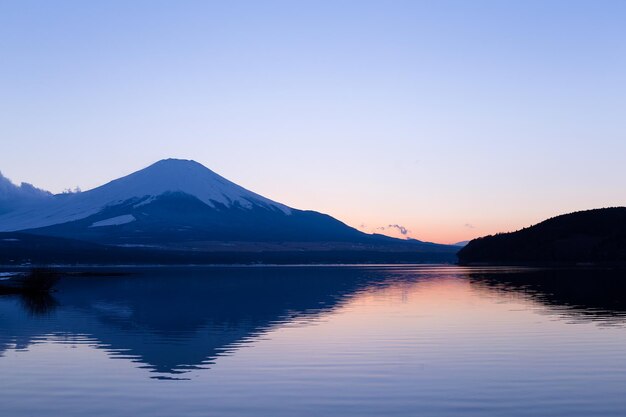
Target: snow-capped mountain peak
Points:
(142, 187)
(186, 176)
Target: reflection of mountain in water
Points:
(173, 320)
(596, 294)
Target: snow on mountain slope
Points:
(166, 176)
(115, 221)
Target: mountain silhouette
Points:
(585, 293)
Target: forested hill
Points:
(596, 236)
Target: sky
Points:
(447, 119)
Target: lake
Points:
(319, 341)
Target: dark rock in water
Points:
(38, 280)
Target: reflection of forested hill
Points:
(592, 293)
(586, 236)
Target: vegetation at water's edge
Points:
(22, 248)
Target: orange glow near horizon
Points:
(441, 232)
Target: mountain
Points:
(183, 206)
(592, 236)
(164, 180)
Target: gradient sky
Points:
(454, 119)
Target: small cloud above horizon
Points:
(403, 230)
(390, 229)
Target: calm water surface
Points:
(319, 341)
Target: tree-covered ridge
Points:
(597, 235)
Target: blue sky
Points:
(453, 119)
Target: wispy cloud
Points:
(469, 226)
(403, 230)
